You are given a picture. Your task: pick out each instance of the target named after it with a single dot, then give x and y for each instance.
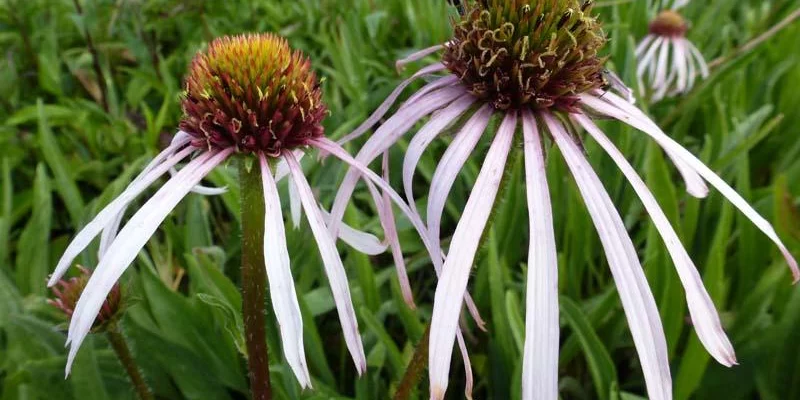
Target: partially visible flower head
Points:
(521, 54)
(252, 93)
(669, 23)
(67, 292)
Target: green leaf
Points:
(64, 183)
(32, 255)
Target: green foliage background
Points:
(64, 156)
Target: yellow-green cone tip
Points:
(253, 93)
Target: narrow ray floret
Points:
(537, 66)
(253, 100)
(668, 63)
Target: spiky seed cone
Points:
(68, 291)
(669, 23)
(527, 53)
(253, 93)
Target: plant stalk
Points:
(415, 368)
(254, 278)
(120, 346)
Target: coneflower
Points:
(536, 64)
(668, 62)
(253, 99)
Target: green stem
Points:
(120, 346)
(415, 368)
(254, 279)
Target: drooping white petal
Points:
(695, 185)
(450, 166)
(469, 383)
(203, 190)
(111, 213)
(643, 45)
(390, 229)
(646, 63)
(387, 104)
(180, 140)
(294, 205)
(417, 55)
(439, 121)
(130, 241)
(279, 277)
(439, 83)
(458, 265)
(680, 64)
(333, 148)
(383, 139)
(701, 61)
(659, 78)
(613, 107)
(637, 300)
(701, 308)
(540, 356)
(362, 241)
(282, 169)
(333, 265)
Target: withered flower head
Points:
(533, 54)
(68, 291)
(252, 93)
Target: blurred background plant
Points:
(90, 91)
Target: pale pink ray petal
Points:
(701, 61)
(450, 166)
(384, 206)
(203, 190)
(637, 300)
(294, 205)
(643, 45)
(632, 116)
(439, 121)
(362, 241)
(383, 139)
(333, 265)
(417, 55)
(452, 285)
(659, 78)
(390, 229)
(701, 308)
(695, 185)
(680, 62)
(130, 241)
(111, 213)
(439, 83)
(387, 104)
(282, 169)
(279, 277)
(646, 63)
(180, 139)
(333, 148)
(540, 355)
(469, 382)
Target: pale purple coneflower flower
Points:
(252, 98)
(536, 64)
(669, 63)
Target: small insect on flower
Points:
(252, 98)
(536, 64)
(669, 63)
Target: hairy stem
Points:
(415, 368)
(120, 346)
(254, 279)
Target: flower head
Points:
(535, 64)
(518, 54)
(253, 93)
(250, 96)
(668, 62)
(67, 292)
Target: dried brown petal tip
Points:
(253, 93)
(525, 53)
